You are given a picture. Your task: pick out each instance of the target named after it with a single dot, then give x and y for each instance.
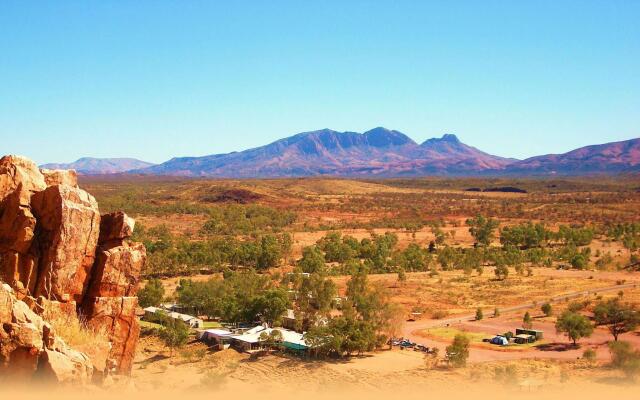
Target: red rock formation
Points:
(117, 269)
(68, 229)
(29, 347)
(115, 226)
(115, 280)
(60, 177)
(19, 180)
(118, 315)
(15, 170)
(54, 246)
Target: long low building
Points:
(253, 339)
(193, 322)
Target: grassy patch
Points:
(211, 325)
(150, 325)
(450, 333)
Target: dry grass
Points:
(74, 330)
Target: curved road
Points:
(410, 329)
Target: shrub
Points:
(458, 351)
(625, 358)
(589, 355)
(151, 294)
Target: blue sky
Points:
(158, 79)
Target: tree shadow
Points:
(155, 358)
(557, 347)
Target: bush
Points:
(151, 294)
(589, 355)
(625, 358)
(174, 333)
(458, 352)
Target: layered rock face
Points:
(30, 348)
(55, 246)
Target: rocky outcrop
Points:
(54, 177)
(116, 270)
(68, 228)
(20, 179)
(56, 247)
(116, 226)
(110, 300)
(118, 316)
(30, 348)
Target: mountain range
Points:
(378, 152)
(101, 166)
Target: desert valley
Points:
(323, 199)
(372, 283)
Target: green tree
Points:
(270, 252)
(501, 271)
(312, 260)
(479, 314)
(619, 318)
(527, 322)
(272, 339)
(271, 305)
(402, 276)
(414, 258)
(458, 352)
(151, 294)
(547, 310)
(174, 333)
(482, 229)
(574, 325)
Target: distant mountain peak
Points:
(447, 138)
(101, 166)
(376, 152)
(450, 137)
(380, 137)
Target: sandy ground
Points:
(197, 368)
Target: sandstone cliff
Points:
(56, 248)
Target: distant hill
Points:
(608, 158)
(378, 152)
(101, 166)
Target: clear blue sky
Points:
(157, 79)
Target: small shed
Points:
(524, 339)
(534, 332)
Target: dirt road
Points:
(553, 351)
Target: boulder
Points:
(29, 347)
(53, 177)
(17, 223)
(116, 226)
(116, 271)
(68, 229)
(67, 366)
(15, 170)
(18, 182)
(118, 315)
